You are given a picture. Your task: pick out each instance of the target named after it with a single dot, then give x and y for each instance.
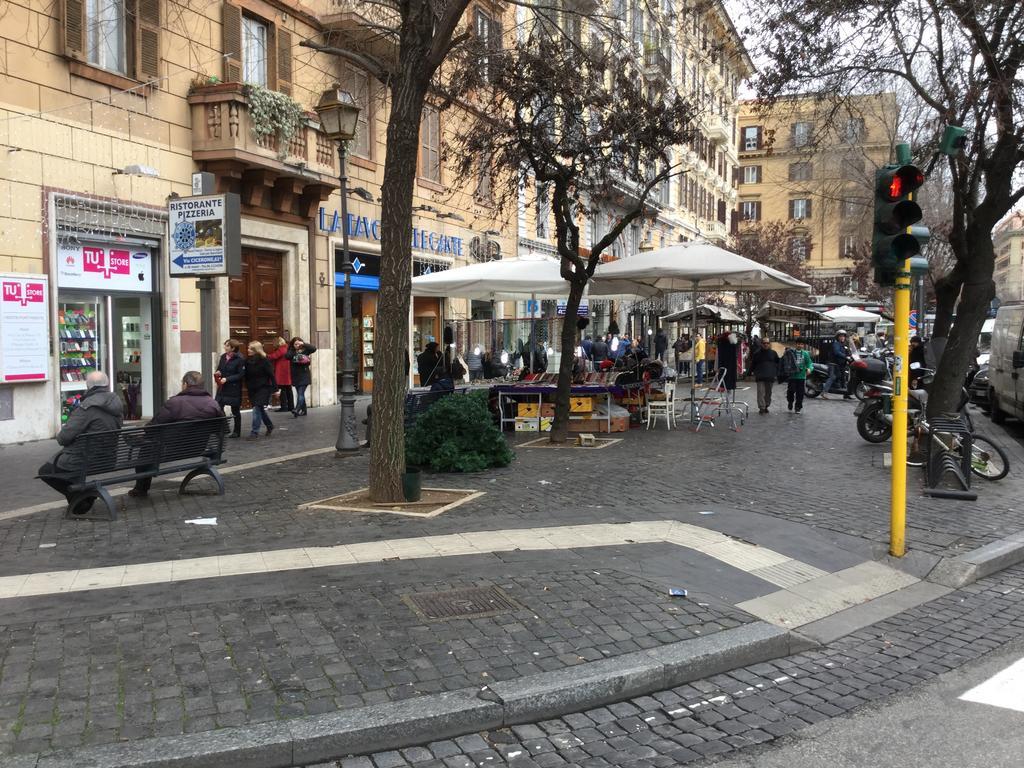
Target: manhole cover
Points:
(462, 603)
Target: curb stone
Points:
(957, 572)
(395, 725)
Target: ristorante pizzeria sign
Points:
(369, 229)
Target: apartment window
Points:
(851, 208)
(848, 246)
(853, 131)
(543, 211)
(853, 168)
(800, 208)
(751, 174)
(801, 171)
(358, 84)
(800, 247)
(750, 210)
(254, 51)
(430, 144)
(105, 20)
(751, 138)
(119, 36)
(800, 134)
(488, 31)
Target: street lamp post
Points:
(339, 116)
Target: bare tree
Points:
(424, 33)
(961, 63)
(585, 125)
(778, 245)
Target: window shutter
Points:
(792, 208)
(759, 140)
(147, 36)
(284, 61)
(73, 24)
(495, 42)
(231, 42)
(808, 208)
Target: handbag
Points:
(301, 359)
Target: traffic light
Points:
(891, 243)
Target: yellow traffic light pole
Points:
(901, 348)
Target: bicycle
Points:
(988, 460)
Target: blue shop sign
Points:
(369, 229)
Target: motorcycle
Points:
(871, 370)
(816, 379)
(874, 416)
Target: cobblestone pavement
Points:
(107, 665)
(339, 641)
(811, 469)
(755, 705)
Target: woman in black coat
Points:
(259, 380)
(298, 353)
(229, 375)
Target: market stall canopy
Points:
(848, 314)
(704, 312)
(531, 275)
(685, 267)
(775, 311)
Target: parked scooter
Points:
(816, 379)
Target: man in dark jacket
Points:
(660, 344)
(191, 404)
(430, 364)
(599, 352)
(764, 364)
(99, 410)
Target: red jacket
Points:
(282, 366)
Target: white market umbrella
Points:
(529, 276)
(688, 267)
(848, 314)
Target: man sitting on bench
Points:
(191, 404)
(99, 410)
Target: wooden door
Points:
(255, 304)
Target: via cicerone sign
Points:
(205, 234)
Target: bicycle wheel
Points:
(988, 460)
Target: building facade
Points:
(809, 164)
(104, 117)
(1008, 240)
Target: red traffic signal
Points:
(895, 183)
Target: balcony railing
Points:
(370, 28)
(656, 62)
(286, 176)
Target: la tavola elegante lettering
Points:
(367, 228)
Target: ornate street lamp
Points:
(339, 116)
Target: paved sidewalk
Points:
(19, 463)
(206, 640)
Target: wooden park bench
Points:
(125, 455)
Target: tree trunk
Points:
(560, 427)
(960, 349)
(387, 445)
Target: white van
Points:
(1006, 387)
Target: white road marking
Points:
(739, 554)
(1004, 689)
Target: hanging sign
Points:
(205, 236)
(24, 328)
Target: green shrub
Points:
(457, 434)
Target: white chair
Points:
(663, 406)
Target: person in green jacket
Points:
(797, 363)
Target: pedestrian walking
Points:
(282, 375)
(699, 351)
(259, 381)
(764, 364)
(599, 352)
(99, 410)
(430, 364)
(660, 344)
(191, 404)
(796, 364)
(299, 355)
(229, 375)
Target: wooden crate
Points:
(547, 410)
(527, 425)
(528, 410)
(581, 404)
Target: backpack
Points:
(789, 365)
